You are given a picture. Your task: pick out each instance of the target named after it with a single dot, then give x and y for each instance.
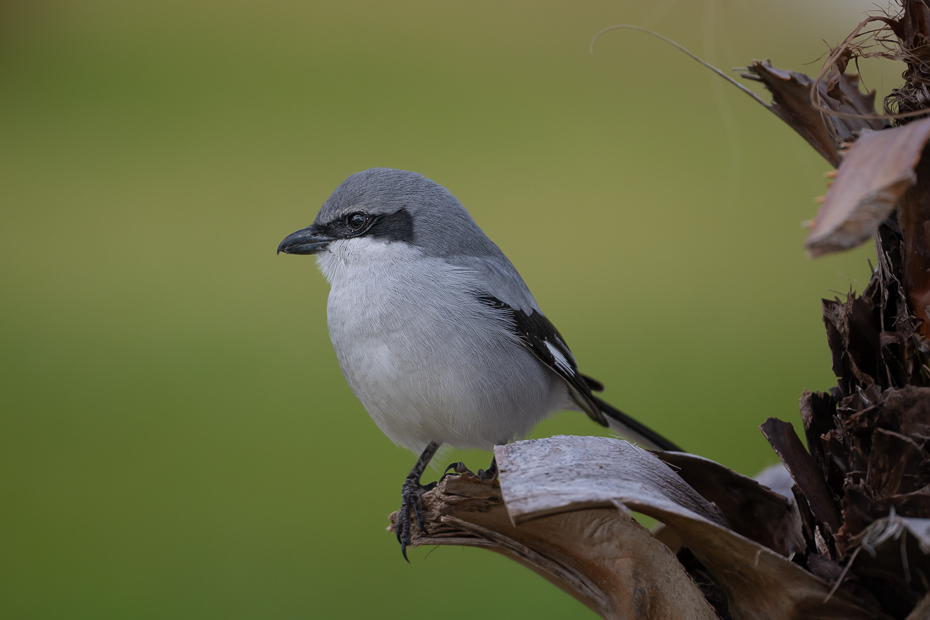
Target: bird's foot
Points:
(410, 502)
(410, 498)
(457, 468)
(483, 474)
(490, 473)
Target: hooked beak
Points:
(310, 240)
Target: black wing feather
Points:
(536, 332)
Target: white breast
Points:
(427, 360)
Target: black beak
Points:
(310, 240)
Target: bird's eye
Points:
(356, 220)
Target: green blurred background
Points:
(176, 440)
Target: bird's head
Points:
(390, 206)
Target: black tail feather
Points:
(636, 430)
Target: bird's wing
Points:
(494, 274)
(541, 337)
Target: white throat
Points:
(348, 258)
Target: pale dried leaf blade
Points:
(605, 465)
(877, 170)
(551, 476)
(602, 557)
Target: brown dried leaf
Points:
(791, 102)
(914, 217)
(861, 510)
(817, 411)
(854, 338)
(804, 470)
(601, 556)
(874, 337)
(546, 477)
(895, 562)
(751, 509)
(876, 172)
(834, 572)
(922, 611)
(895, 464)
(907, 411)
(809, 523)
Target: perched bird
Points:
(435, 331)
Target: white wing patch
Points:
(560, 361)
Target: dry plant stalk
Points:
(849, 534)
(562, 508)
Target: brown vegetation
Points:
(849, 535)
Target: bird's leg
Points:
(410, 498)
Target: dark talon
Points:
(403, 545)
(412, 492)
(490, 473)
(410, 502)
(458, 468)
(410, 495)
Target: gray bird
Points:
(435, 331)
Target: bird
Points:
(435, 331)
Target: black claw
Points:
(410, 495)
(490, 473)
(403, 549)
(412, 492)
(410, 502)
(457, 468)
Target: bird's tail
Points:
(633, 430)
